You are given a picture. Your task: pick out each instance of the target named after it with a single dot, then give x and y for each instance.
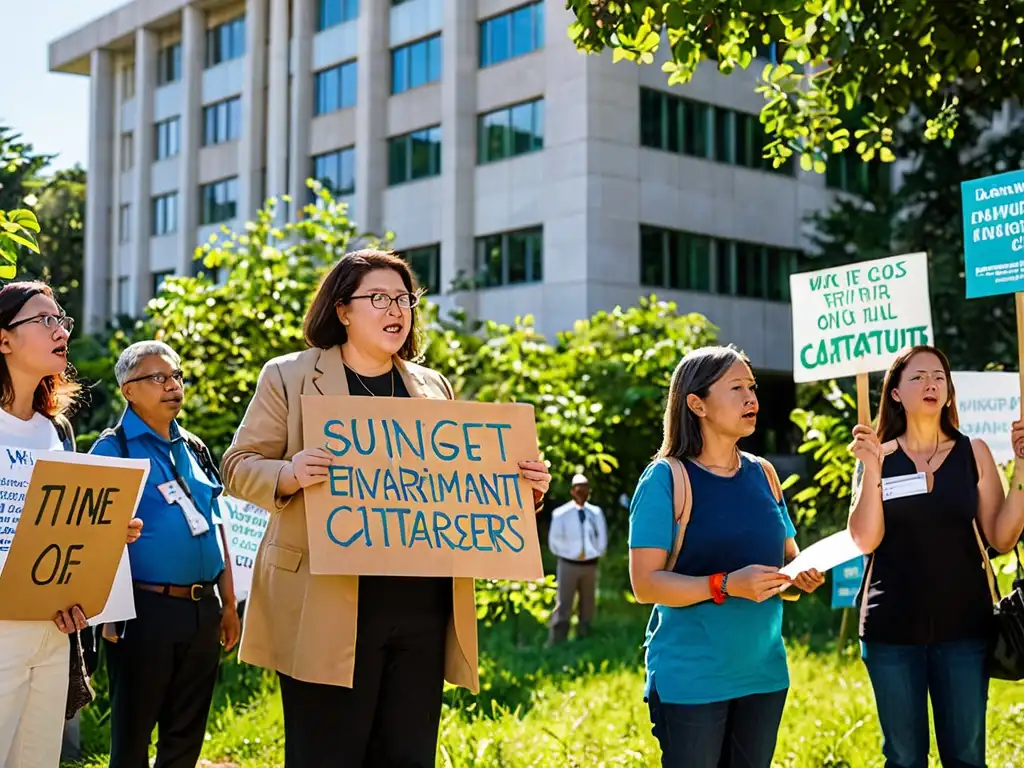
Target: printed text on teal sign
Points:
(994, 234)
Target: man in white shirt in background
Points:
(578, 537)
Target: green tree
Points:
(833, 54)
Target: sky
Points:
(50, 110)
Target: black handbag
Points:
(1006, 656)
(1006, 648)
(80, 693)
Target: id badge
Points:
(904, 485)
(173, 493)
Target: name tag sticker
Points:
(904, 485)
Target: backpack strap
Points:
(117, 433)
(203, 454)
(682, 505)
(770, 474)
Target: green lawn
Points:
(582, 705)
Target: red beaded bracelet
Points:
(715, 580)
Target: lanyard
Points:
(178, 476)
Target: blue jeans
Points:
(739, 733)
(955, 675)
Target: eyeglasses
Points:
(383, 301)
(160, 378)
(49, 322)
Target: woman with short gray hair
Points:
(716, 665)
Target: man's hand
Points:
(230, 627)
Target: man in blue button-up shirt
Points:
(163, 664)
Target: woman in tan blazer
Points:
(362, 660)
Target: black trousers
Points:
(163, 672)
(390, 716)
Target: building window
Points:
(168, 64)
(127, 151)
(334, 12)
(685, 261)
(415, 155)
(335, 88)
(337, 171)
(124, 285)
(219, 201)
(512, 34)
(165, 214)
(849, 173)
(686, 127)
(167, 141)
(124, 223)
(511, 131)
(159, 278)
(510, 258)
(222, 121)
(225, 42)
(425, 263)
(416, 64)
(128, 82)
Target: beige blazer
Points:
(302, 625)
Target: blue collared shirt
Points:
(167, 552)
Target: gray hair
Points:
(133, 356)
(694, 375)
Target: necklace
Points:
(360, 378)
(928, 461)
(730, 468)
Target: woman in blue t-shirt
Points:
(716, 664)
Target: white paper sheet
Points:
(824, 555)
(121, 600)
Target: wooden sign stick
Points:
(864, 393)
(1019, 300)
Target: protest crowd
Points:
(362, 647)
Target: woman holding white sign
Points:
(362, 660)
(926, 500)
(36, 392)
(717, 677)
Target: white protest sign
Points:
(856, 318)
(988, 404)
(16, 468)
(245, 524)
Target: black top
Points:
(402, 595)
(926, 582)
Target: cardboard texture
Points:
(69, 539)
(422, 488)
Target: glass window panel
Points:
(331, 84)
(674, 124)
(522, 31)
(418, 64)
(434, 59)
(538, 125)
(695, 129)
(516, 247)
(725, 267)
(674, 246)
(535, 253)
(435, 148)
(485, 44)
(698, 263)
(538, 24)
(235, 118)
(399, 70)
(651, 111)
(522, 129)
(652, 257)
(500, 43)
(347, 169)
(348, 85)
(420, 153)
(723, 135)
(494, 139)
(397, 160)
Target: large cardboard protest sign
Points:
(62, 530)
(988, 403)
(994, 234)
(422, 488)
(246, 524)
(856, 318)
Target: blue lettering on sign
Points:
(475, 531)
(448, 440)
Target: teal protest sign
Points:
(994, 234)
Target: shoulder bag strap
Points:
(771, 475)
(682, 504)
(986, 563)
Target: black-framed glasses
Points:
(383, 301)
(160, 378)
(49, 322)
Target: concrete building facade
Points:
(539, 180)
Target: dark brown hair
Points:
(892, 418)
(694, 375)
(55, 395)
(322, 327)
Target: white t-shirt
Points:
(37, 433)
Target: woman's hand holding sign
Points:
(537, 475)
(866, 448)
(1017, 438)
(308, 467)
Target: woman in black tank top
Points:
(927, 501)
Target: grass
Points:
(581, 704)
